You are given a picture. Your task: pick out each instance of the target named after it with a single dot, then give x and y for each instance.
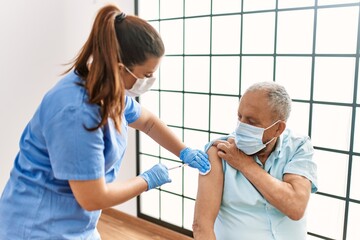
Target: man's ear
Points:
(281, 127)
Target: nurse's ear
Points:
(121, 66)
(122, 69)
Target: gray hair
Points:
(279, 99)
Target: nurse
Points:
(72, 148)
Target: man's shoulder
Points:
(292, 141)
(290, 135)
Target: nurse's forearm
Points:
(163, 135)
(96, 194)
(159, 131)
(120, 192)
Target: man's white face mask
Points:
(248, 138)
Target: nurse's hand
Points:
(196, 159)
(156, 176)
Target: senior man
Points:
(262, 174)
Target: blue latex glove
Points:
(156, 176)
(196, 159)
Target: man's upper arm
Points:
(302, 163)
(301, 186)
(210, 188)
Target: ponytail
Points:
(102, 81)
(115, 38)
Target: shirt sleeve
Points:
(209, 144)
(75, 153)
(302, 163)
(132, 109)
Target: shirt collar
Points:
(273, 155)
(278, 146)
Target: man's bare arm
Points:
(208, 200)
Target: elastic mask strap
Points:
(269, 141)
(272, 125)
(268, 128)
(131, 73)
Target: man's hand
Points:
(228, 151)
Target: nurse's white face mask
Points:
(248, 138)
(141, 85)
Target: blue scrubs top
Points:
(245, 214)
(37, 202)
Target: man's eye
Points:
(253, 123)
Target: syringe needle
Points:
(182, 165)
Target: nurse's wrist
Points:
(144, 183)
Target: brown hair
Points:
(130, 41)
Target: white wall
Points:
(36, 38)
